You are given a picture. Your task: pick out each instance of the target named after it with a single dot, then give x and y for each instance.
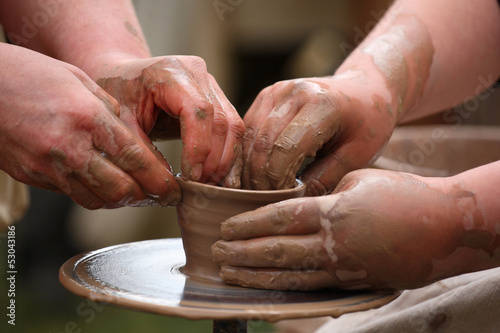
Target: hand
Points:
(178, 91)
(60, 131)
(341, 121)
(380, 229)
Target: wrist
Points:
(372, 85)
(105, 64)
(476, 237)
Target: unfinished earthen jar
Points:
(203, 209)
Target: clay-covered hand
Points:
(341, 122)
(175, 95)
(379, 229)
(60, 131)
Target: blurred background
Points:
(247, 45)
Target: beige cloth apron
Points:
(468, 303)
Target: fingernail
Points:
(196, 172)
(218, 254)
(229, 275)
(227, 231)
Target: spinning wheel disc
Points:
(146, 276)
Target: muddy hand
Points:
(191, 103)
(325, 119)
(60, 131)
(341, 122)
(380, 229)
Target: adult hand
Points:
(60, 131)
(379, 229)
(177, 95)
(341, 121)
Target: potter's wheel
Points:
(145, 276)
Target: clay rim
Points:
(191, 185)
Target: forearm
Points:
(477, 192)
(429, 54)
(87, 34)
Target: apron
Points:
(466, 303)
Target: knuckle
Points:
(263, 143)
(220, 125)
(316, 188)
(327, 100)
(86, 114)
(92, 203)
(267, 91)
(286, 144)
(77, 72)
(203, 109)
(120, 193)
(131, 157)
(292, 86)
(349, 180)
(299, 84)
(110, 103)
(275, 254)
(249, 134)
(197, 63)
(291, 281)
(238, 127)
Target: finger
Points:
(259, 152)
(217, 140)
(84, 196)
(278, 251)
(323, 175)
(231, 163)
(180, 95)
(71, 187)
(305, 135)
(233, 178)
(227, 134)
(131, 156)
(139, 159)
(277, 279)
(289, 217)
(129, 118)
(74, 188)
(88, 178)
(112, 184)
(253, 119)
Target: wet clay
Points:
(203, 209)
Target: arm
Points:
(60, 131)
(105, 40)
(433, 57)
(87, 34)
(421, 58)
(379, 230)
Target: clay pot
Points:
(203, 209)
(440, 150)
